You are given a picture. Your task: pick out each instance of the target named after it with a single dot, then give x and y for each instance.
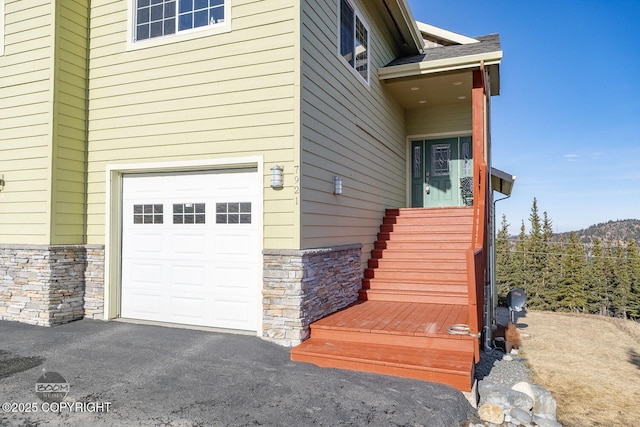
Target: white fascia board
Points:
(505, 181)
(503, 175)
(445, 34)
(440, 65)
(412, 23)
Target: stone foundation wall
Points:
(300, 287)
(45, 285)
(94, 282)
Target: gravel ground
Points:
(499, 368)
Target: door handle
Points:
(427, 187)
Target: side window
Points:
(354, 39)
(159, 18)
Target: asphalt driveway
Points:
(125, 374)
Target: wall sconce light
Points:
(337, 185)
(1, 182)
(276, 177)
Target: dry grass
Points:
(591, 365)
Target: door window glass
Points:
(233, 213)
(440, 156)
(147, 214)
(189, 213)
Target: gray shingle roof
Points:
(488, 43)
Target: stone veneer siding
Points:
(94, 282)
(51, 285)
(302, 286)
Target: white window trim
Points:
(194, 33)
(358, 15)
(1, 27)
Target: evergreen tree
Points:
(598, 298)
(519, 262)
(621, 283)
(504, 276)
(535, 260)
(571, 294)
(610, 265)
(551, 266)
(633, 262)
(558, 275)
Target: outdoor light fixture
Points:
(337, 185)
(1, 182)
(276, 176)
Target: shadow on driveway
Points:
(159, 376)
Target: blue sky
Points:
(567, 121)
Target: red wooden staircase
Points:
(414, 289)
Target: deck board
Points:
(403, 318)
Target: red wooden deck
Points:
(395, 338)
(413, 290)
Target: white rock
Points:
(525, 387)
(520, 416)
(544, 422)
(491, 413)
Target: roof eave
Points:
(502, 181)
(404, 15)
(440, 65)
(445, 34)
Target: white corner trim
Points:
(445, 34)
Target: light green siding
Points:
(25, 122)
(69, 123)
(442, 119)
(349, 129)
(43, 122)
(226, 95)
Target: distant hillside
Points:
(609, 233)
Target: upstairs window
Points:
(354, 39)
(157, 18)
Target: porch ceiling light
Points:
(415, 88)
(276, 177)
(457, 83)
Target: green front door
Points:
(441, 172)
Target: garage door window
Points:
(233, 213)
(189, 213)
(147, 214)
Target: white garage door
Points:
(191, 248)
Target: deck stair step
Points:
(404, 339)
(413, 289)
(386, 294)
(451, 367)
